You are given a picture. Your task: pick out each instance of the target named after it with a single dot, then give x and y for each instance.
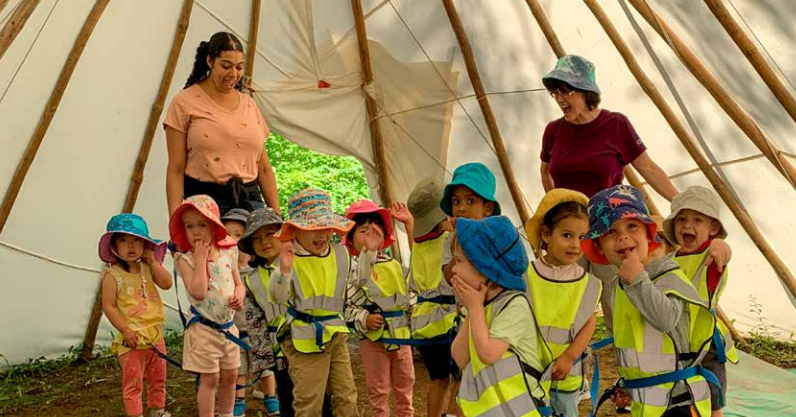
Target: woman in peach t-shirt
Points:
(216, 134)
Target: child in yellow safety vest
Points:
(695, 225)
(131, 302)
(662, 328)
(378, 310)
(498, 344)
(564, 296)
(310, 277)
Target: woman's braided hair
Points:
(218, 43)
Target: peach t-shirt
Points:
(221, 144)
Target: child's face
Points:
(360, 231)
(466, 203)
(128, 247)
(235, 229)
(197, 227)
(314, 241)
(692, 229)
(465, 270)
(265, 244)
(625, 235)
(563, 242)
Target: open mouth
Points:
(319, 243)
(624, 251)
(689, 238)
(566, 108)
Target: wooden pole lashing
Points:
(140, 163)
(15, 23)
(782, 270)
(719, 93)
(254, 28)
(486, 109)
(49, 112)
(753, 55)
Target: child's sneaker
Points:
(159, 413)
(240, 407)
(258, 394)
(271, 404)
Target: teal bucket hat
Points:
(475, 176)
(493, 246)
(131, 224)
(574, 70)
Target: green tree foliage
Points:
(297, 168)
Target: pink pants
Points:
(385, 370)
(136, 364)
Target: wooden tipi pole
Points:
(3, 4)
(558, 49)
(691, 147)
(254, 28)
(15, 23)
(753, 55)
(49, 112)
(377, 140)
(486, 109)
(140, 163)
(719, 93)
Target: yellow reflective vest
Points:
(386, 294)
(315, 310)
(643, 351)
(257, 284)
(562, 308)
(695, 266)
(435, 311)
(504, 387)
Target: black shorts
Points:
(711, 363)
(438, 359)
(234, 194)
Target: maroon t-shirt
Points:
(590, 157)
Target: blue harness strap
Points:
(221, 328)
(675, 376)
(440, 299)
(718, 340)
(314, 320)
(545, 411)
(392, 314)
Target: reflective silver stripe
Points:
(322, 302)
(385, 303)
(319, 303)
(652, 396)
(271, 310)
(729, 343)
(588, 303)
(557, 335)
(646, 362)
(517, 406)
(420, 321)
(671, 282)
(308, 332)
(700, 389)
(473, 386)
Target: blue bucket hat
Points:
(609, 206)
(574, 70)
(131, 224)
(493, 246)
(475, 176)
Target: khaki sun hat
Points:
(423, 203)
(699, 199)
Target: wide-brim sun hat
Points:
(257, 220)
(533, 227)
(130, 224)
(208, 208)
(493, 246)
(475, 176)
(574, 70)
(311, 209)
(367, 206)
(699, 199)
(236, 214)
(609, 206)
(423, 203)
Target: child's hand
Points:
(130, 338)
(286, 258)
(149, 257)
(621, 399)
(469, 296)
(401, 213)
(201, 250)
(374, 321)
(561, 368)
(631, 266)
(719, 252)
(374, 238)
(236, 300)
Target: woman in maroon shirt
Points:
(588, 149)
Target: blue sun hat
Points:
(609, 206)
(493, 246)
(574, 70)
(131, 224)
(475, 176)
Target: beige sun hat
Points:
(533, 227)
(699, 199)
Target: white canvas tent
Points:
(428, 114)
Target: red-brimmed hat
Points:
(208, 208)
(367, 206)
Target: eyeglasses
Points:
(560, 92)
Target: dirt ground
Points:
(94, 389)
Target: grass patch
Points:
(766, 343)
